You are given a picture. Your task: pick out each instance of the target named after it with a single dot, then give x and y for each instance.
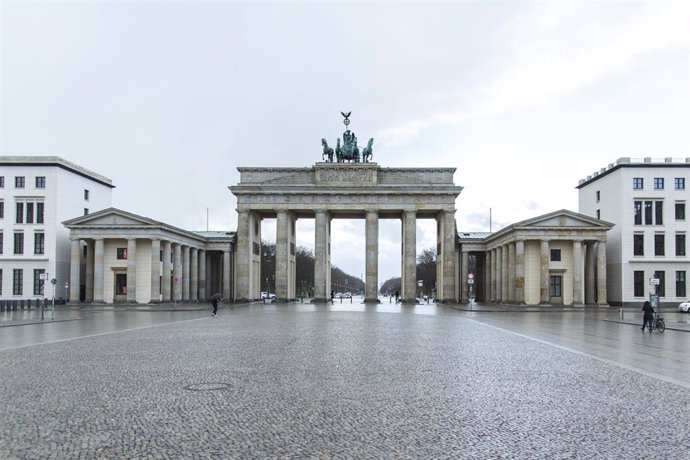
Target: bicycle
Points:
(657, 323)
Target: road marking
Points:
(589, 355)
(102, 334)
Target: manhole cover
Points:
(207, 386)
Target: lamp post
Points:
(66, 292)
(420, 283)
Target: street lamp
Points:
(420, 283)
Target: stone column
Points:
(577, 272)
(185, 273)
(590, 273)
(283, 268)
(544, 260)
(492, 297)
(155, 270)
(487, 276)
(409, 257)
(601, 274)
(322, 266)
(98, 271)
(202, 275)
(167, 271)
(90, 248)
(448, 255)
(504, 275)
(177, 271)
(227, 275)
(372, 256)
(511, 273)
(131, 270)
(74, 268)
(499, 274)
(194, 276)
(520, 272)
(464, 296)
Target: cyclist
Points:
(648, 316)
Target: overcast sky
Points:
(168, 98)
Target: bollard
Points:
(620, 314)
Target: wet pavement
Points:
(342, 381)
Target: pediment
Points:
(112, 217)
(564, 219)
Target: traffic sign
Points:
(654, 281)
(43, 276)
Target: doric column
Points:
(511, 273)
(544, 259)
(577, 272)
(177, 271)
(227, 274)
(590, 273)
(185, 273)
(602, 298)
(98, 271)
(372, 256)
(499, 274)
(492, 297)
(520, 272)
(409, 257)
(447, 237)
(322, 268)
(167, 271)
(487, 276)
(131, 270)
(202, 275)
(285, 255)
(194, 275)
(464, 295)
(90, 248)
(155, 271)
(505, 295)
(74, 266)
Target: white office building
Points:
(36, 195)
(647, 201)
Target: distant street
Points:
(342, 381)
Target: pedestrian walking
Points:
(332, 296)
(215, 298)
(648, 315)
(397, 296)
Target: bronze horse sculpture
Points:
(327, 151)
(368, 151)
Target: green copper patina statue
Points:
(349, 150)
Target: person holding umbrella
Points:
(215, 298)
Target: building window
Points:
(2, 181)
(648, 213)
(661, 287)
(598, 195)
(598, 213)
(30, 212)
(2, 209)
(86, 195)
(659, 245)
(2, 239)
(19, 243)
(681, 284)
(122, 253)
(17, 281)
(38, 282)
(121, 284)
(638, 245)
(638, 277)
(555, 255)
(659, 212)
(39, 243)
(680, 211)
(20, 213)
(658, 183)
(555, 286)
(0, 281)
(680, 244)
(638, 183)
(638, 213)
(86, 211)
(40, 182)
(39, 212)
(679, 182)
(19, 182)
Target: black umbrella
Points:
(216, 296)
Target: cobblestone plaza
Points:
(345, 381)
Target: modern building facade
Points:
(36, 195)
(120, 257)
(554, 259)
(647, 201)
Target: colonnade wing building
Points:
(117, 256)
(329, 191)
